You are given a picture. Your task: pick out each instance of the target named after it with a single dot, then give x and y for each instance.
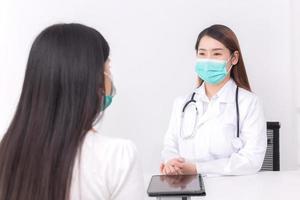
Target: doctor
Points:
(219, 128)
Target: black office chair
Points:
(272, 157)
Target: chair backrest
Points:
(272, 157)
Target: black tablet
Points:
(176, 185)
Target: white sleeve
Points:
(170, 149)
(249, 159)
(126, 176)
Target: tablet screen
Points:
(176, 185)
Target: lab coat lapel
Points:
(211, 113)
(226, 95)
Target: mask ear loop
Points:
(231, 63)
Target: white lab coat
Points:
(211, 147)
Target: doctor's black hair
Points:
(62, 96)
(227, 37)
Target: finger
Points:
(172, 169)
(177, 160)
(178, 170)
(167, 171)
(161, 167)
(164, 171)
(179, 164)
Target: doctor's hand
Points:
(188, 168)
(178, 166)
(172, 167)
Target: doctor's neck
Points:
(212, 89)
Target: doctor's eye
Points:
(217, 54)
(201, 54)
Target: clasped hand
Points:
(178, 166)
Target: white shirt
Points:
(212, 147)
(108, 169)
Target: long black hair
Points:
(61, 98)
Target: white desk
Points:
(283, 185)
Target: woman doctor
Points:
(219, 128)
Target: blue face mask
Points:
(211, 71)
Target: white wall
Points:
(295, 43)
(152, 46)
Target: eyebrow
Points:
(214, 49)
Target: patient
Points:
(51, 150)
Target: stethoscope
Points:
(192, 122)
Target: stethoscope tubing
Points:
(192, 100)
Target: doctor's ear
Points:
(235, 57)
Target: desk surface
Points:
(262, 186)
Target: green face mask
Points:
(212, 71)
(108, 98)
(107, 101)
